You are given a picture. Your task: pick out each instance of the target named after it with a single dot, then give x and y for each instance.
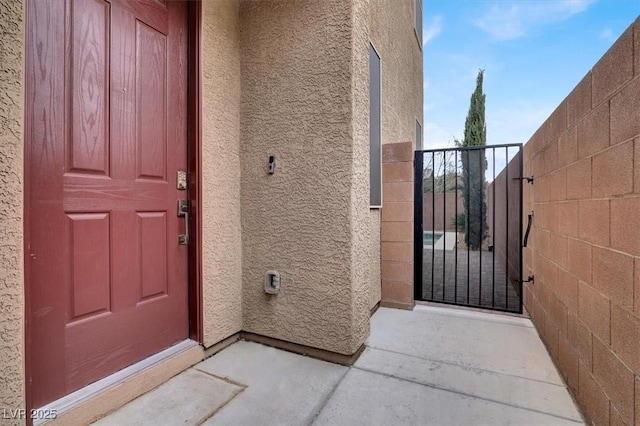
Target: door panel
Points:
(151, 135)
(88, 60)
(90, 264)
(106, 99)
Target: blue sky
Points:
(534, 52)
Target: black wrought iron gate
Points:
(468, 226)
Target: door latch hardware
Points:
(528, 280)
(183, 208)
(183, 211)
(181, 180)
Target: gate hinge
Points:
(529, 179)
(528, 280)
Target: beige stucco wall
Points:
(11, 207)
(285, 78)
(361, 214)
(222, 244)
(297, 104)
(393, 36)
(304, 87)
(391, 30)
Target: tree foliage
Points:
(474, 165)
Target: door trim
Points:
(194, 154)
(26, 217)
(194, 132)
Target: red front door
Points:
(106, 135)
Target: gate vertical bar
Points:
(521, 212)
(466, 213)
(493, 237)
(506, 170)
(455, 266)
(481, 155)
(433, 218)
(417, 225)
(444, 224)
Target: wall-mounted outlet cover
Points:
(272, 282)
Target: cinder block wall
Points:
(444, 203)
(585, 243)
(396, 227)
(505, 191)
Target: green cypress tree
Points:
(474, 165)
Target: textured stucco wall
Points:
(297, 104)
(222, 244)
(392, 34)
(370, 234)
(361, 215)
(391, 30)
(11, 207)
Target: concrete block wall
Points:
(396, 227)
(585, 243)
(441, 203)
(503, 210)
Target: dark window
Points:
(375, 149)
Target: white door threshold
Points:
(81, 396)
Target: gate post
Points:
(418, 224)
(396, 233)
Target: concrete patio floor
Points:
(429, 366)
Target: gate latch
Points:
(529, 179)
(526, 235)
